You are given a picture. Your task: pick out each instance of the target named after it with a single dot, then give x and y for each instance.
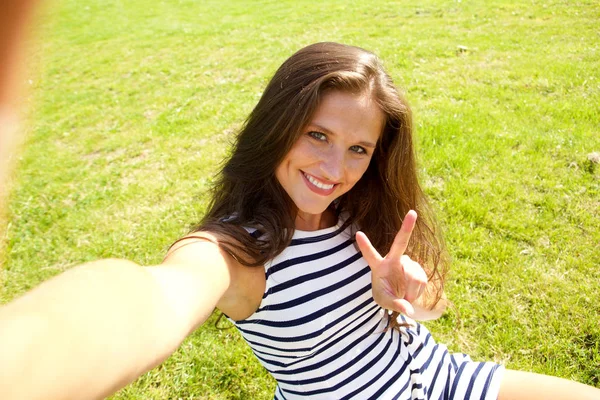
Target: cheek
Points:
(291, 163)
(299, 151)
(305, 152)
(356, 169)
(282, 171)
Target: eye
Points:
(318, 135)
(358, 149)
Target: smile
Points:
(317, 183)
(321, 187)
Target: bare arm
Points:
(93, 329)
(14, 21)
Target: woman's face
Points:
(332, 153)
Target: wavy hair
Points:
(247, 194)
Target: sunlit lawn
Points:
(134, 104)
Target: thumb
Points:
(403, 306)
(368, 251)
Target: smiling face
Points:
(331, 155)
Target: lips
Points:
(318, 186)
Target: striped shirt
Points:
(321, 335)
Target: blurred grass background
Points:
(133, 105)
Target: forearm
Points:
(86, 333)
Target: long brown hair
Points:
(247, 194)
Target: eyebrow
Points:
(325, 130)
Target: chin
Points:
(314, 209)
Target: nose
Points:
(332, 164)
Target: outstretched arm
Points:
(93, 329)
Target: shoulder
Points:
(190, 246)
(246, 284)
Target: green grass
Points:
(133, 105)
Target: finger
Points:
(368, 251)
(416, 278)
(403, 306)
(414, 290)
(403, 236)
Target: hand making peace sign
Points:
(397, 281)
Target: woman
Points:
(327, 150)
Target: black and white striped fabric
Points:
(321, 335)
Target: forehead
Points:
(355, 116)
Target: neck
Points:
(313, 222)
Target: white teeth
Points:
(317, 183)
